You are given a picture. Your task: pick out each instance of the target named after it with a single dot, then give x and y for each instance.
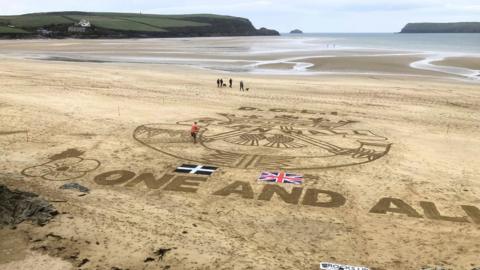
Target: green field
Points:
(34, 20)
(166, 22)
(10, 30)
(113, 21)
(117, 23)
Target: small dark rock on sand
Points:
(83, 262)
(149, 259)
(161, 252)
(75, 186)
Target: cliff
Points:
(125, 25)
(460, 27)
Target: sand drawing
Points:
(14, 132)
(248, 139)
(67, 165)
(254, 141)
(282, 141)
(166, 135)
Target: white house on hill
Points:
(84, 23)
(80, 27)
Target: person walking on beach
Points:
(241, 86)
(218, 82)
(221, 82)
(230, 82)
(194, 131)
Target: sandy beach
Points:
(389, 163)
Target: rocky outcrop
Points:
(460, 27)
(296, 31)
(17, 206)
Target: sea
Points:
(456, 44)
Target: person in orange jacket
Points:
(194, 131)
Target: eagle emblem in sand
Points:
(261, 142)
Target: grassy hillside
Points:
(461, 27)
(129, 24)
(10, 30)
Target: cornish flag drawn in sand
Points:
(281, 177)
(196, 169)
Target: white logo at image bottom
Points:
(334, 266)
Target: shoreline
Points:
(460, 68)
(386, 65)
(472, 63)
(248, 55)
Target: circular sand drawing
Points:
(67, 165)
(256, 142)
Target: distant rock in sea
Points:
(460, 27)
(296, 31)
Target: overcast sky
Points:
(283, 15)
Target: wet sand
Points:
(280, 66)
(97, 108)
(376, 64)
(463, 62)
(227, 54)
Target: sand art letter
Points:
(150, 181)
(311, 198)
(432, 212)
(185, 184)
(383, 206)
(246, 190)
(114, 177)
(292, 197)
(280, 110)
(307, 112)
(473, 212)
(248, 109)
